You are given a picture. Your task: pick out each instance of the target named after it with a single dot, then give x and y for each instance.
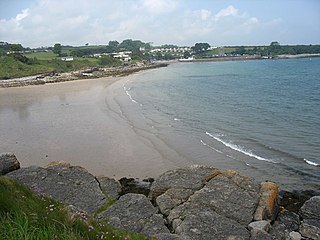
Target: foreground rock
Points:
(8, 163)
(110, 187)
(135, 212)
(192, 203)
(310, 212)
(69, 184)
(221, 209)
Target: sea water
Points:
(261, 117)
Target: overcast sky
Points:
(36, 23)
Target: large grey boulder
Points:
(71, 185)
(311, 208)
(197, 223)
(192, 178)
(8, 163)
(110, 187)
(260, 235)
(310, 212)
(221, 209)
(290, 220)
(310, 228)
(230, 195)
(134, 212)
(285, 223)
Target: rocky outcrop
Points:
(225, 205)
(193, 179)
(110, 187)
(310, 212)
(191, 203)
(267, 208)
(8, 163)
(135, 212)
(69, 184)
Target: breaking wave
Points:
(239, 149)
(311, 163)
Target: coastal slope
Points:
(196, 202)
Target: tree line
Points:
(276, 49)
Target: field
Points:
(15, 66)
(41, 55)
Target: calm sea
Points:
(260, 117)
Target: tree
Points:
(200, 47)
(186, 54)
(57, 49)
(240, 50)
(274, 48)
(16, 47)
(113, 43)
(275, 43)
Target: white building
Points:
(67, 59)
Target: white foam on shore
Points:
(311, 163)
(207, 145)
(129, 95)
(239, 149)
(177, 119)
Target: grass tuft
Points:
(25, 215)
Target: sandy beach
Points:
(80, 122)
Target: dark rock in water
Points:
(311, 209)
(134, 185)
(289, 219)
(293, 201)
(134, 212)
(8, 163)
(110, 187)
(69, 184)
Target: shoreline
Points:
(93, 73)
(90, 73)
(105, 144)
(251, 57)
(131, 147)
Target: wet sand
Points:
(82, 123)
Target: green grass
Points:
(11, 68)
(24, 215)
(41, 55)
